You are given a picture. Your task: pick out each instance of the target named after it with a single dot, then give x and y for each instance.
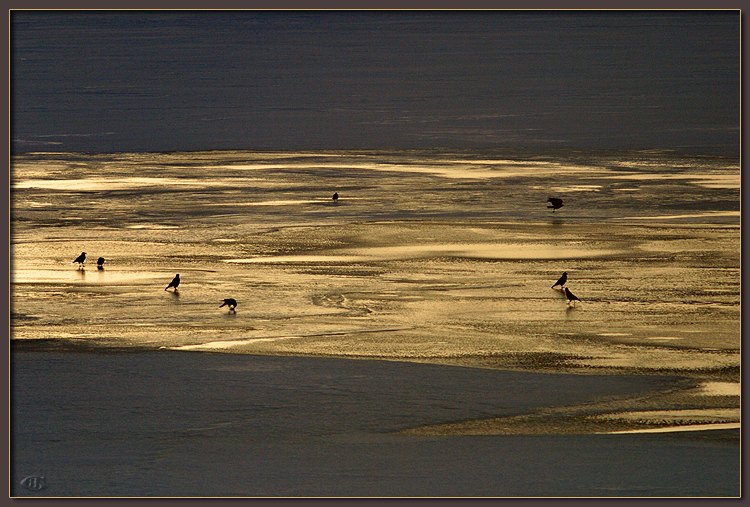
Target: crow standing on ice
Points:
(571, 297)
(562, 280)
(174, 283)
(555, 203)
(231, 303)
(100, 263)
(335, 197)
(80, 259)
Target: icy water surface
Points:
(165, 423)
(426, 256)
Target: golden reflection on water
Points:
(426, 256)
(459, 250)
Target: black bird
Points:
(80, 259)
(231, 303)
(555, 203)
(335, 197)
(562, 280)
(100, 263)
(174, 283)
(571, 297)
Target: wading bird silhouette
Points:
(231, 303)
(174, 283)
(572, 298)
(80, 259)
(562, 280)
(100, 263)
(335, 197)
(555, 203)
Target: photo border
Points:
(11, 5)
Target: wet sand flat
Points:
(165, 423)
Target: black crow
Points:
(562, 280)
(571, 297)
(555, 203)
(175, 282)
(100, 263)
(335, 197)
(80, 259)
(231, 303)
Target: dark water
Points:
(179, 424)
(153, 81)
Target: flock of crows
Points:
(81, 259)
(231, 303)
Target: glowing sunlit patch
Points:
(468, 250)
(151, 226)
(577, 188)
(90, 275)
(100, 184)
(664, 338)
(452, 169)
(483, 251)
(289, 202)
(499, 162)
(65, 335)
(689, 416)
(615, 334)
(720, 389)
(284, 202)
(678, 429)
(228, 344)
(704, 180)
(296, 258)
(705, 214)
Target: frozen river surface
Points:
(444, 256)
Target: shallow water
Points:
(426, 256)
